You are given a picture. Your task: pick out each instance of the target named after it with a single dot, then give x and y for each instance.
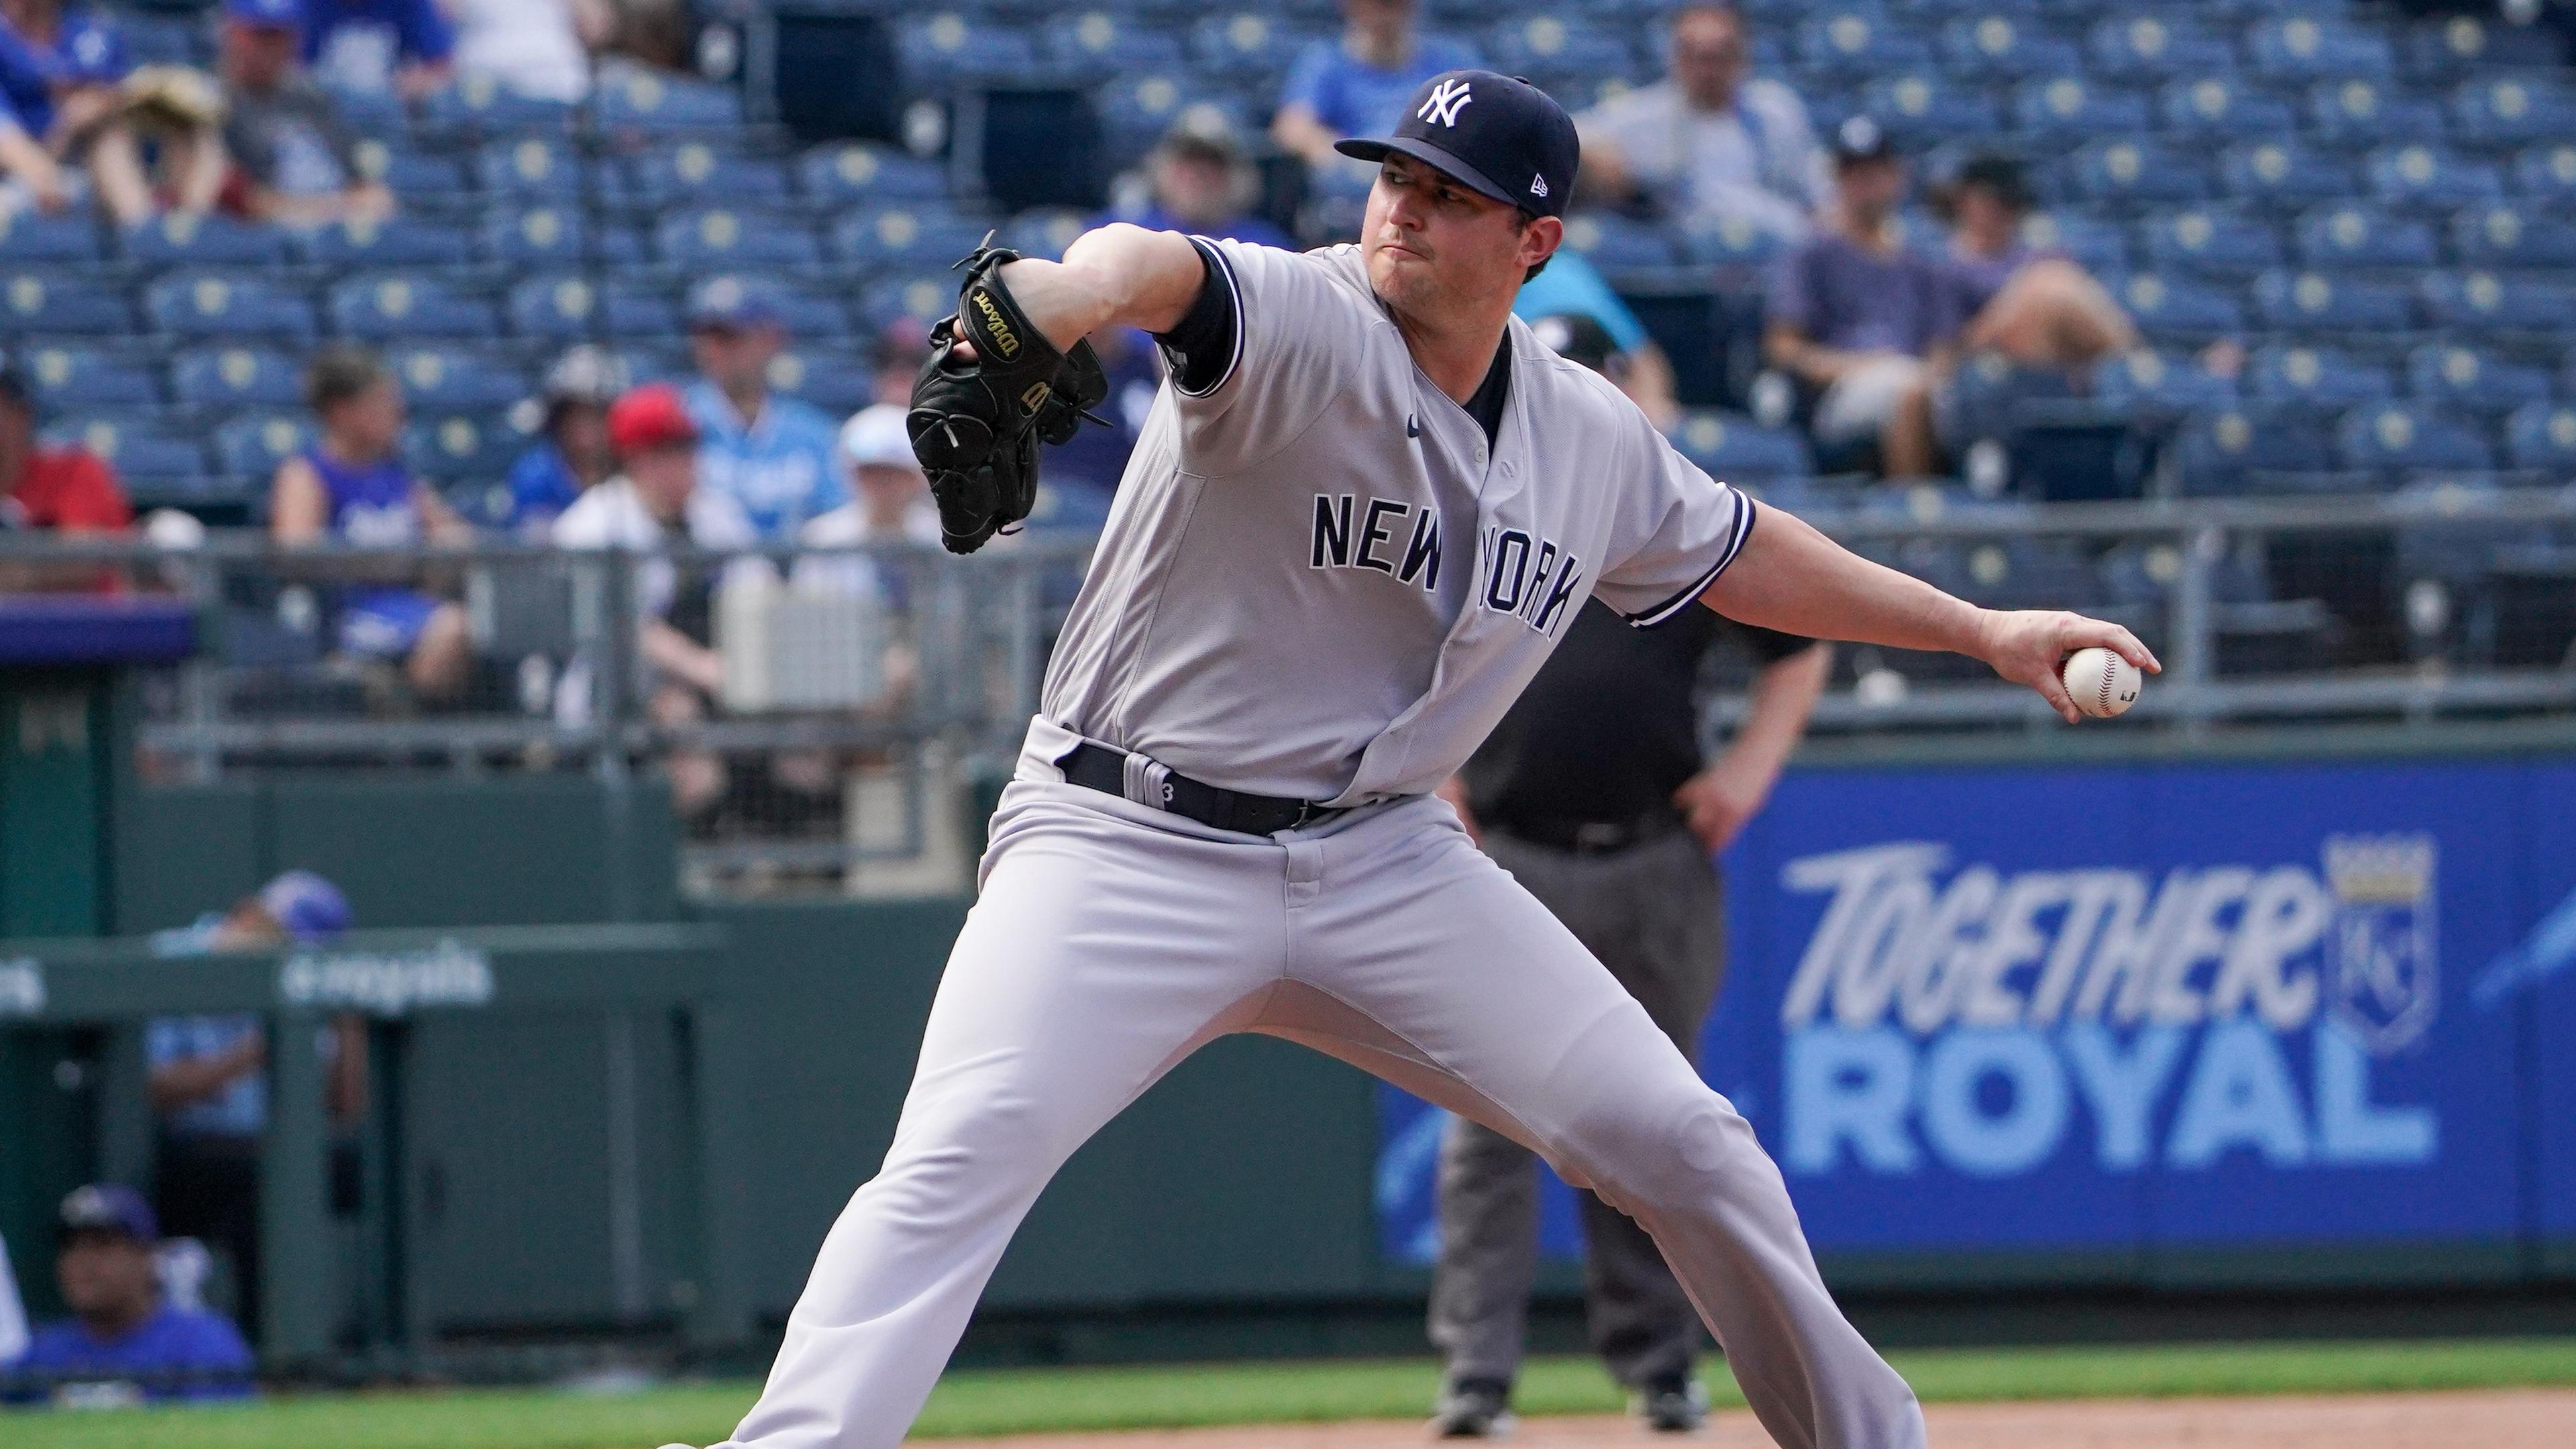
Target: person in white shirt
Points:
(1713, 143)
(531, 46)
(889, 497)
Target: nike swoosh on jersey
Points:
(1412, 426)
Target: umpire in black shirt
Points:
(1594, 794)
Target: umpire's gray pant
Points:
(1651, 914)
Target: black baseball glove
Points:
(976, 422)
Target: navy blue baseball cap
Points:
(110, 1207)
(1498, 134)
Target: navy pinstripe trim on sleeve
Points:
(1219, 270)
(1735, 538)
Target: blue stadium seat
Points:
(905, 236)
(2152, 47)
(251, 446)
(2065, 106)
(71, 375)
(530, 166)
(2507, 235)
(2305, 46)
(2100, 247)
(2138, 172)
(537, 237)
(2321, 378)
(1928, 107)
(2146, 380)
(2427, 176)
(923, 297)
(392, 306)
(132, 448)
(2509, 110)
(951, 44)
(701, 173)
(2363, 113)
(2314, 301)
(408, 241)
(1548, 43)
(851, 172)
(2364, 236)
(1246, 43)
(635, 307)
(478, 103)
(838, 382)
(2216, 451)
(229, 304)
(2547, 173)
(1045, 231)
(2284, 173)
(1728, 446)
(2212, 242)
(2007, 47)
(2225, 109)
(2411, 438)
(2467, 379)
(1726, 241)
(2489, 302)
(561, 308)
(1859, 41)
(462, 447)
(413, 176)
(2164, 305)
(2542, 435)
(31, 237)
(179, 239)
(457, 379)
(2440, 51)
(819, 314)
(69, 302)
(1616, 243)
(377, 114)
(722, 237)
(636, 99)
(1098, 40)
(233, 378)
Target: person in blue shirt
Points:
(373, 46)
(125, 1342)
(572, 451)
(59, 105)
(1569, 285)
(772, 455)
(1201, 184)
(1355, 85)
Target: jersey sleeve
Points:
(1675, 531)
(1286, 328)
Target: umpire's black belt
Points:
(1134, 777)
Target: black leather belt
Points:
(1592, 837)
(1134, 777)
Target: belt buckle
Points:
(1305, 811)
(1594, 835)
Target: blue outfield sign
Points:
(2122, 1007)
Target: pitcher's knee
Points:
(1660, 1151)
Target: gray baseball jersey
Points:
(1318, 581)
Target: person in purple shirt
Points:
(403, 46)
(1351, 85)
(125, 1342)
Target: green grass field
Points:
(1019, 1401)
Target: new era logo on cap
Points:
(1477, 127)
(1538, 186)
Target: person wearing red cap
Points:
(655, 504)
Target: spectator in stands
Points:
(375, 46)
(1570, 284)
(770, 454)
(1357, 85)
(533, 47)
(176, 117)
(352, 487)
(125, 1342)
(571, 453)
(892, 498)
(655, 34)
(901, 347)
(60, 110)
(1852, 314)
(13, 1312)
(655, 503)
(295, 162)
(1712, 143)
(208, 1076)
(67, 491)
(1201, 183)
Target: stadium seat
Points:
(475, 447)
(1045, 231)
(1100, 41)
(2100, 247)
(2007, 47)
(1858, 41)
(413, 176)
(451, 379)
(2441, 50)
(1928, 107)
(635, 307)
(1617, 243)
(2410, 438)
(2154, 47)
(951, 45)
(2320, 378)
(31, 237)
(2165, 305)
(477, 103)
(839, 383)
(2284, 173)
(232, 378)
(721, 237)
(922, 297)
(557, 309)
(2212, 243)
(2305, 46)
(131, 448)
(70, 301)
(852, 172)
(2506, 235)
(1543, 42)
(72, 375)
(2467, 379)
(530, 166)
(180, 239)
(1726, 241)
(250, 447)
(409, 241)
(2146, 380)
(2362, 236)
(701, 173)
(2216, 451)
(229, 304)
(2314, 301)
(2138, 173)
(2489, 302)
(1247, 42)
(2542, 435)
(2365, 113)
(2064, 106)
(537, 237)
(393, 306)
(905, 236)
(2427, 176)
(2510, 110)
(2222, 109)
(636, 99)
(2547, 172)
(372, 113)
(1728, 446)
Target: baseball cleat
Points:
(1473, 1409)
(1672, 1405)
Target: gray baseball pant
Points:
(1111, 940)
(1651, 914)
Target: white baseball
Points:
(2101, 683)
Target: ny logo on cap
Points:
(1447, 99)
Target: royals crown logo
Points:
(2385, 977)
